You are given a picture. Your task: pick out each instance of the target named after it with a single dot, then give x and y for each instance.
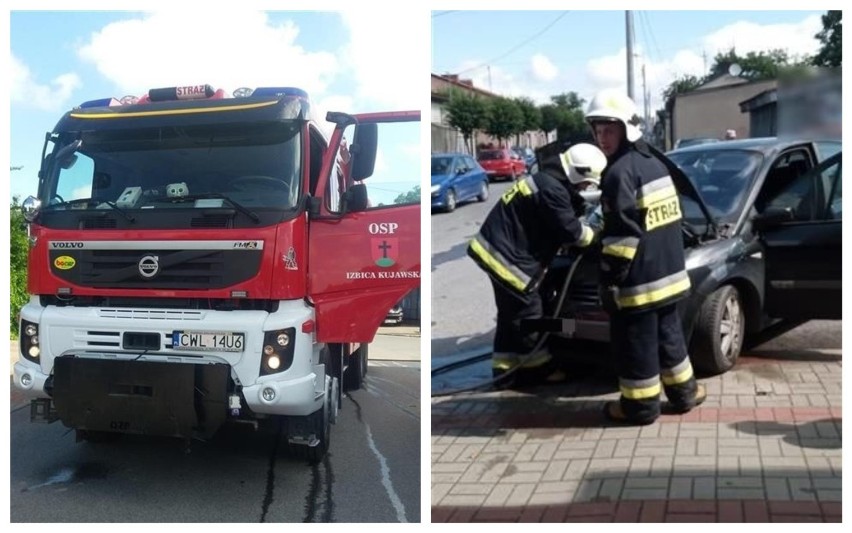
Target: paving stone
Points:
(439, 490)
(499, 495)
(777, 489)
(588, 490)
(521, 495)
(704, 488)
(740, 494)
(558, 486)
(463, 500)
(624, 448)
(801, 489)
(472, 489)
(610, 490)
(550, 498)
(576, 469)
(555, 471)
(724, 482)
(644, 494)
(647, 483)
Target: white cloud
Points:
(26, 90)
(542, 68)
(230, 49)
(500, 81)
(747, 37)
(386, 60)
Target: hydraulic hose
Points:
(479, 358)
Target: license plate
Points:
(208, 341)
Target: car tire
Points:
(451, 201)
(483, 192)
(718, 338)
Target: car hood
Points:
(440, 179)
(685, 187)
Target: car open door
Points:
(801, 230)
(364, 238)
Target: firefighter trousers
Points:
(649, 347)
(511, 345)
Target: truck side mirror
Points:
(363, 151)
(314, 205)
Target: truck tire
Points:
(718, 337)
(353, 378)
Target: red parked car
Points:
(502, 162)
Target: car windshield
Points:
(722, 178)
(255, 165)
(694, 142)
(490, 155)
(441, 165)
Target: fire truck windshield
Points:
(150, 170)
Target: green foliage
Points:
(831, 37)
(17, 264)
(505, 118)
(565, 115)
(466, 113)
(531, 113)
(410, 197)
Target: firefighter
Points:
(643, 271)
(516, 243)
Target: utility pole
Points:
(646, 107)
(629, 23)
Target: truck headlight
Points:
(278, 349)
(29, 341)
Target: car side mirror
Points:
(460, 171)
(773, 217)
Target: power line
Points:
(527, 41)
(653, 37)
(442, 13)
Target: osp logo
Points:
(64, 262)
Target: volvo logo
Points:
(149, 266)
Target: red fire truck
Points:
(198, 258)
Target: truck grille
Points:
(178, 269)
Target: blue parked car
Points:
(528, 155)
(457, 178)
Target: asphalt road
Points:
(463, 311)
(372, 472)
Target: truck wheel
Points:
(322, 425)
(718, 337)
(353, 379)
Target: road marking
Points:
(394, 498)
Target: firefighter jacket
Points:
(642, 241)
(526, 228)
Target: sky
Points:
(61, 59)
(538, 54)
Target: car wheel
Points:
(483, 192)
(718, 337)
(451, 201)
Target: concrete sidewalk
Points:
(766, 446)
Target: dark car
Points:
(695, 141)
(395, 315)
(502, 162)
(528, 155)
(762, 233)
(457, 178)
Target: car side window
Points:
(835, 200)
(811, 196)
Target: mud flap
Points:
(142, 397)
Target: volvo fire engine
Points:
(198, 258)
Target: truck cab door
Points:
(801, 229)
(364, 231)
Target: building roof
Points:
(465, 85)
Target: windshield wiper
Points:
(251, 214)
(130, 218)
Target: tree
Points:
(410, 197)
(682, 85)
(531, 114)
(467, 113)
(505, 118)
(17, 264)
(831, 37)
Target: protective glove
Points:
(609, 298)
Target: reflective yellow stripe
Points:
(681, 377)
(640, 394)
(587, 236)
(171, 111)
(626, 252)
(496, 267)
(657, 196)
(653, 296)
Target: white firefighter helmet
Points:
(583, 163)
(612, 105)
